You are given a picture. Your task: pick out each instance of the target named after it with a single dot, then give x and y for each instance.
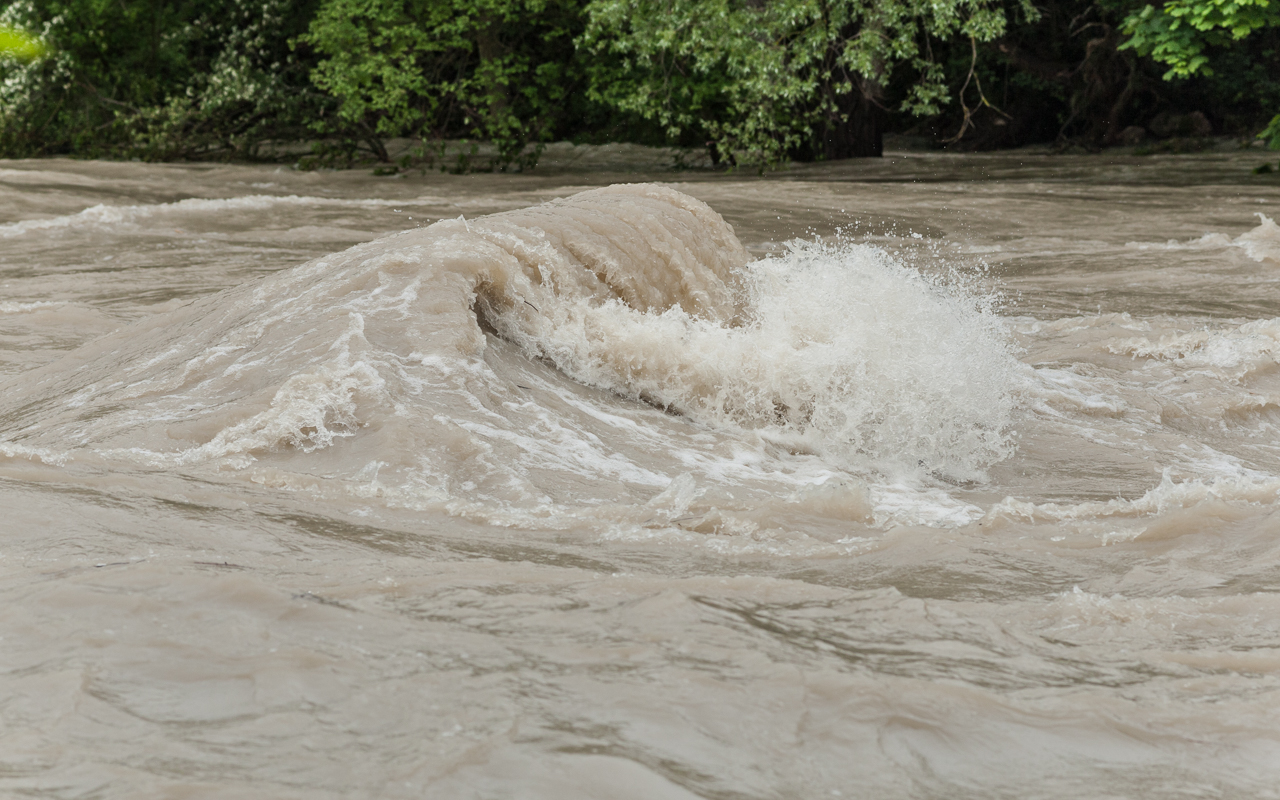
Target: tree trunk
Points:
(491, 49)
(858, 130)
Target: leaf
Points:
(20, 45)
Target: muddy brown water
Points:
(931, 477)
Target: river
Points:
(935, 476)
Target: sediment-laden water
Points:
(936, 477)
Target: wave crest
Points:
(377, 359)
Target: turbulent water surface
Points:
(936, 477)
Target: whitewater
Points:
(936, 476)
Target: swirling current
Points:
(937, 477)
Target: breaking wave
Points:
(432, 364)
(1261, 243)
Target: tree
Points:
(153, 78)
(1180, 31)
(762, 80)
(498, 70)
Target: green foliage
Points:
(19, 45)
(757, 81)
(153, 79)
(761, 80)
(498, 70)
(1178, 33)
(1271, 134)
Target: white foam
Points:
(12, 450)
(1260, 244)
(1235, 351)
(903, 504)
(105, 216)
(1055, 391)
(15, 307)
(1168, 496)
(1263, 242)
(839, 350)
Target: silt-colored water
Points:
(931, 477)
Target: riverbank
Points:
(413, 156)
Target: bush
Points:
(498, 70)
(764, 81)
(155, 80)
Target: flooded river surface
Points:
(931, 477)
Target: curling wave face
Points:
(418, 367)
